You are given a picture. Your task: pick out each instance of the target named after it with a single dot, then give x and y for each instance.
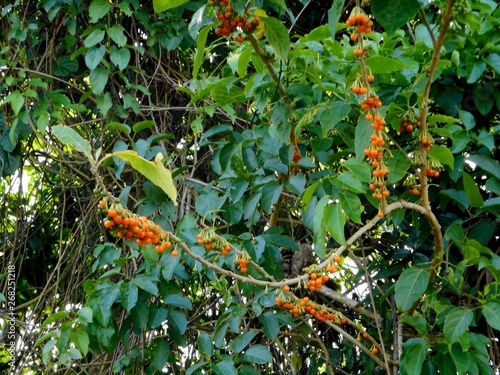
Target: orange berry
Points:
(371, 78)
(313, 276)
(374, 351)
(279, 301)
(365, 335)
(102, 204)
(380, 214)
(112, 213)
(336, 259)
(174, 253)
(108, 224)
(358, 339)
(354, 37)
(286, 288)
(369, 117)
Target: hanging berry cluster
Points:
(213, 242)
(127, 225)
(361, 24)
(231, 22)
(296, 158)
(408, 122)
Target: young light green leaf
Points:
(163, 5)
(54, 317)
(200, 50)
(154, 171)
(98, 9)
(335, 222)
(472, 191)
(443, 155)
(141, 125)
(117, 35)
(334, 15)
(69, 136)
(277, 34)
(410, 286)
(120, 57)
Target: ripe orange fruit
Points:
(174, 253)
(286, 288)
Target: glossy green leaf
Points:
(141, 125)
(98, 9)
(474, 68)
(224, 368)
(94, 38)
(472, 191)
(319, 231)
(146, 282)
(414, 354)
(277, 34)
(332, 115)
(270, 195)
(443, 155)
(159, 353)
(334, 15)
(157, 316)
(456, 323)
(242, 341)
(192, 369)
(348, 181)
(80, 339)
(383, 65)
(128, 295)
(54, 317)
(205, 344)
(410, 286)
(116, 126)
(359, 168)
(335, 222)
(418, 323)
(178, 300)
(120, 57)
(117, 34)
(154, 171)
(98, 79)
(491, 311)
(392, 14)
(352, 206)
(280, 124)
(270, 324)
(486, 163)
(94, 56)
(178, 320)
(68, 136)
(163, 5)
(460, 357)
(258, 354)
(200, 50)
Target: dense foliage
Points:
(233, 187)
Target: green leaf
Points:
(205, 344)
(382, 64)
(98, 9)
(154, 171)
(69, 136)
(16, 100)
(178, 320)
(414, 353)
(159, 353)
(319, 227)
(120, 57)
(416, 322)
(116, 127)
(410, 286)
(224, 368)
(168, 264)
(359, 168)
(242, 341)
(94, 38)
(352, 206)
(192, 369)
(200, 50)
(270, 195)
(270, 324)
(128, 295)
(443, 155)
(104, 103)
(94, 56)
(80, 339)
(334, 15)
(258, 354)
(392, 14)
(456, 323)
(101, 314)
(486, 163)
(141, 125)
(156, 316)
(55, 317)
(474, 68)
(280, 124)
(461, 358)
(146, 282)
(98, 79)
(85, 315)
(397, 165)
(472, 191)
(348, 181)
(491, 311)
(140, 315)
(178, 300)
(277, 34)
(332, 115)
(117, 35)
(335, 222)
(163, 5)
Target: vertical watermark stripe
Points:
(11, 321)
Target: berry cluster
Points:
(371, 102)
(213, 242)
(127, 225)
(296, 158)
(359, 21)
(316, 281)
(426, 141)
(411, 184)
(460, 9)
(242, 264)
(433, 168)
(305, 306)
(408, 122)
(231, 23)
